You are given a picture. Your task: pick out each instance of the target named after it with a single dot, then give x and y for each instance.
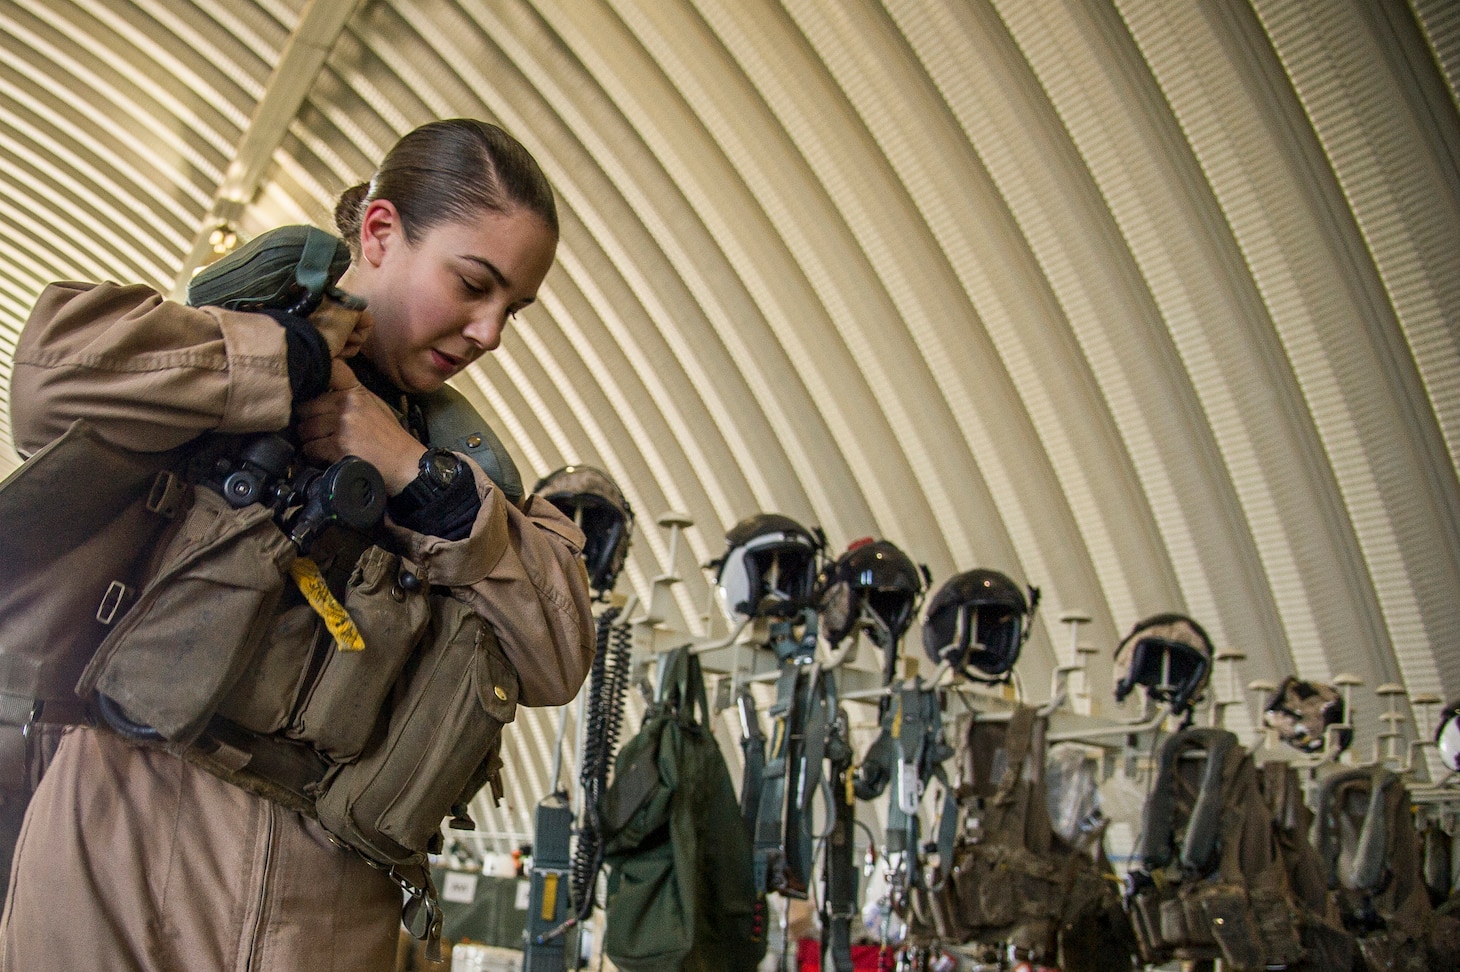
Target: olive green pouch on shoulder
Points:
(288, 268)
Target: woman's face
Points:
(441, 302)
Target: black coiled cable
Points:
(608, 685)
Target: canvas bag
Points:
(681, 889)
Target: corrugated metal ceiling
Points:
(1150, 304)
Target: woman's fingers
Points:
(344, 330)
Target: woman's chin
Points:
(425, 384)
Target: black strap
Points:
(771, 854)
(752, 746)
(840, 902)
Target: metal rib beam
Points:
(320, 25)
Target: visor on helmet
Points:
(769, 568)
(1170, 655)
(593, 501)
(978, 620)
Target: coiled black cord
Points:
(607, 687)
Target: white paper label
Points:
(459, 887)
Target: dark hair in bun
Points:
(448, 171)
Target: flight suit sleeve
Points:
(149, 374)
(519, 569)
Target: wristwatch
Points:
(439, 470)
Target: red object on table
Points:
(864, 957)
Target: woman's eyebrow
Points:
(491, 267)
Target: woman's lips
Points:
(444, 362)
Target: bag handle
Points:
(682, 687)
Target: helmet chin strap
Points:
(873, 622)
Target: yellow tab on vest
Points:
(311, 584)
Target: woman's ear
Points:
(380, 230)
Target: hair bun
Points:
(349, 211)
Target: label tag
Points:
(459, 887)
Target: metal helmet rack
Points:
(743, 665)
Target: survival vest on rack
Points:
(1013, 880)
(1363, 831)
(1209, 881)
(1326, 944)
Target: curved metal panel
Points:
(1150, 305)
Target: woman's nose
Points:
(485, 331)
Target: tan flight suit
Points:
(131, 859)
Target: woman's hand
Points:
(348, 420)
(343, 329)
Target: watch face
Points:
(441, 467)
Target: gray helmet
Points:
(769, 567)
(1169, 654)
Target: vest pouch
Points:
(1145, 912)
(1040, 900)
(342, 706)
(945, 908)
(985, 888)
(450, 703)
(1277, 925)
(1230, 919)
(265, 696)
(1186, 912)
(198, 622)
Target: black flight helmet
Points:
(874, 577)
(591, 499)
(978, 621)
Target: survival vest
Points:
(1013, 880)
(135, 595)
(1326, 944)
(1369, 851)
(1209, 881)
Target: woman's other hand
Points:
(349, 420)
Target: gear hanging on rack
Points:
(607, 689)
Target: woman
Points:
(134, 859)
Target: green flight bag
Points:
(681, 890)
